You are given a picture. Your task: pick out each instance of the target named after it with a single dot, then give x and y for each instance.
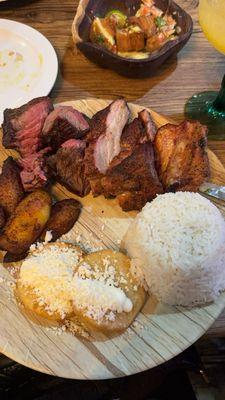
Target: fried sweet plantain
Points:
(11, 188)
(26, 223)
(63, 216)
(47, 293)
(113, 268)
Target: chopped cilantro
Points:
(160, 22)
(100, 39)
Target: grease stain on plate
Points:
(20, 63)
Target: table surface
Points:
(196, 68)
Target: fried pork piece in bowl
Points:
(138, 42)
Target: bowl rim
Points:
(153, 56)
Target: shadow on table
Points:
(9, 4)
(80, 73)
(167, 382)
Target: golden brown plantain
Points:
(26, 223)
(29, 298)
(128, 283)
(63, 216)
(11, 188)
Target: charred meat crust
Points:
(63, 216)
(67, 166)
(137, 175)
(181, 158)
(11, 188)
(62, 124)
(29, 118)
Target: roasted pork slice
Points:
(131, 38)
(11, 188)
(146, 23)
(34, 173)
(136, 175)
(67, 166)
(22, 126)
(62, 124)
(148, 123)
(181, 158)
(140, 130)
(104, 139)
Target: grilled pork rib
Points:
(181, 158)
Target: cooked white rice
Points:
(179, 241)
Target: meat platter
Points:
(160, 331)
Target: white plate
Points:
(28, 65)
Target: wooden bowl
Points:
(134, 68)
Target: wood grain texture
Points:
(160, 331)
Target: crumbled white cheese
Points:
(95, 298)
(48, 237)
(50, 273)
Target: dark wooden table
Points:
(197, 67)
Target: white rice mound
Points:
(179, 242)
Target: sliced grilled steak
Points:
(34, 172)
(134, 180)
(62, 124)
(104, 140)
(11, 188)
(22, 126)
(67, 165)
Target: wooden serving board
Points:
(159, 333)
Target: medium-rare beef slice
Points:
(136, 175)
(62, 124)
(104, 140)
(11, 188)
(181, 157)
(67, 166)
(34, 173)
(140, 130)
(22, 126)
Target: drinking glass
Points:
(209, 107)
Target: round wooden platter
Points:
(159, 333)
